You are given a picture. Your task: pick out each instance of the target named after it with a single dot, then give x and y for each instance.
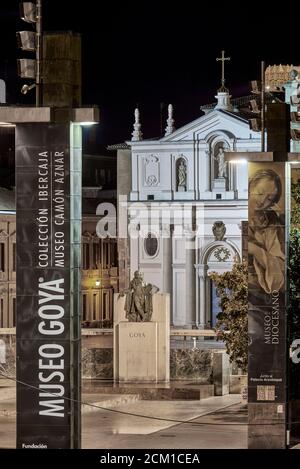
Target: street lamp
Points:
(31, 41)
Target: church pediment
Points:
(214, 121)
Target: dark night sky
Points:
(146, 53)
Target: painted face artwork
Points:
(264, 193)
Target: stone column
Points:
(167, 263)
(201, 313)
(221, 373)
(190, 293)
(167, 258)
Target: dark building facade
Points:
(99, 274)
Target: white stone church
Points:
(185, 170)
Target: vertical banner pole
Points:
(267, 305)
(48, 183)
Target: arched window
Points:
(215, 308)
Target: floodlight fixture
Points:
(254, 106)
(27, 68)
(255, 86)
(255, 125)
(26, 40)
(31, 41)
(28, 12)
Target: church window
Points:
(14, 313)
(215, 306)
(151, 245)
(2, 258)
(95, 295)
(96, 254)
(86, 256)
(105, 305)
(14, 257)
(113, 253)
(1, 312)
(84, 306)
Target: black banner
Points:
(294, 305)
(48, 262)
(266, 258)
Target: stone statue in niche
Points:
(181, 176)
(294, 74)
(219, 230)
(138, 303)
(220, 158)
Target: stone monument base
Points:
(219, 184)
(138, 352)
(142, 349)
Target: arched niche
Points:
(181, 174)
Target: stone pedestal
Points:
(142, 349)
(266, 425)
(219, 185)
(221, 373)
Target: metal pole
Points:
(39, 38)
(262, 106)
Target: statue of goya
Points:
(138, 303)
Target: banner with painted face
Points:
(293, 304)
(267, 281)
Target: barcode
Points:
(266, 393)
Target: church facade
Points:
(195, 202)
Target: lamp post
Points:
(39, 42)
(30, 41)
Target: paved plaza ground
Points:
(211, 423)
(215, 422)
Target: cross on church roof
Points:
(222, 59)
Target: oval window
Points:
(151, 245)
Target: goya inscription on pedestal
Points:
(137, 351)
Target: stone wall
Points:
(194, 364)
(191, 364)
(97, 363)
(184, 364)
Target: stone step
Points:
(179, 392)
(106, 401)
